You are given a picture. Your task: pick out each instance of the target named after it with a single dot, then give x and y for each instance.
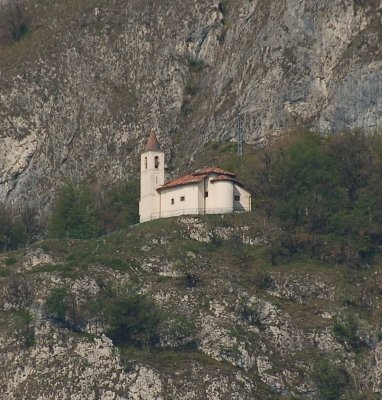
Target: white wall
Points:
(154, 204)
(222, 196)
(245, 199)
(190, 205)
(210, 200)
(220, 199)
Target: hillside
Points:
(88, 79)
(280, 303)
(225, 322)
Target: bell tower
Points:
(152, 176)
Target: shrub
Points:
(191, 280)
(347, 329)
(191, 88)
(251, 315)
(263, 280)
(330, 379)
(14, 19)
(13, 232)
(75, 213)
(179, 333)
(56, 304)
(223, 7)
(10, 261)
(186, 108)
(195, 65)
(4, 272)
(119, 205)
(62, 308)
(26, 328)
(132, 321)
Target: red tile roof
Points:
(152, 142)
(213, 170)
(198, 177)
(183, 180)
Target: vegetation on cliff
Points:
(323, 193)
(202, 291)
(316, 218)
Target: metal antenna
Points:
(240, 135)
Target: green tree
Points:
(132, 321)
(119, 205)
(330, 379)
(354, 159)
(348, 329)
(323, 193)
(306, 184)
(359, 221)
(75, 213)
(56, 304)
(13, 232)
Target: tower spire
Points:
(152, 177)
(152, 142)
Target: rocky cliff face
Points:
(80, 92)
(260, 331)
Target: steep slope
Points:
(232, 325)
(80, 92)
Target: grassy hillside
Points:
(209, 299)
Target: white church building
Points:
(206, 191)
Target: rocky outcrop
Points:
(239, 329)
(101, 76)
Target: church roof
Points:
(152, 142)
(213, 170)
(198, 177)
(183, 180)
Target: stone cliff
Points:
(79, 93)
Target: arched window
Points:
(156, 161)
(145, 162)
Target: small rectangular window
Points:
(172, 201)
(182, 198)
(237, 198)
(205, 194)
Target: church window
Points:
(145, 162)
(172, 201)
(205, 194)
(237, 198)
(156, 161)
(182, 198)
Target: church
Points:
(205, 191)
